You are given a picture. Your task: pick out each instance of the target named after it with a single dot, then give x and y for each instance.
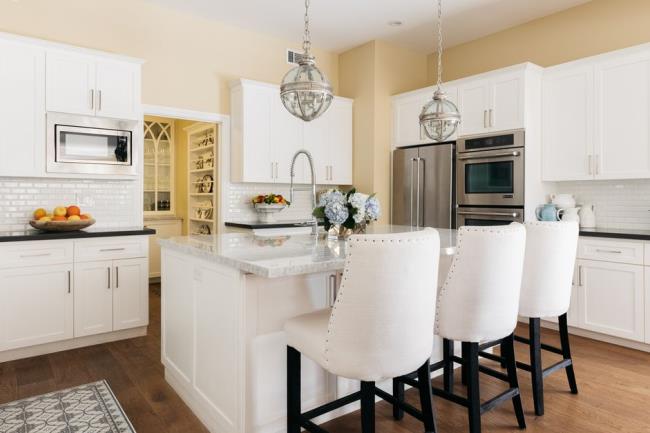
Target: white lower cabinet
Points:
(130, 293)
(36, 306)
(93, 298)
(611, 299)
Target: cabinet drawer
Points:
(611, 251)
(126, 247)
(35, 253)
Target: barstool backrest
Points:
(548, 268)
(381, 325)
(480, 298)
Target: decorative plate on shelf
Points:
(206, 183)
(61, 226)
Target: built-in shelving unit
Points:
(158, 168)
(202, 178)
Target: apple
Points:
(39, 213)
(72, 210)
(74, 218)
(60, 211)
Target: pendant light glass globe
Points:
(305, 91)
(439, 117)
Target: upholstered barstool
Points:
(479, 302)
(546, 292)
(379, 327)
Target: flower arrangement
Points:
(270, 199)
(352, 210)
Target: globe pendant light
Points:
(305, 91)
(439, 117)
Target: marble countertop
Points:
(285, 255)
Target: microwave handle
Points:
(496, 214)
(494, 155)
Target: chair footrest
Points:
(401, 404)
(495, 401)
(494, 373)
(557, 366)
(328, 407)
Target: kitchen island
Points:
(225, 299)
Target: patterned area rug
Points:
(90, 408)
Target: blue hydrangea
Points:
(331, 196)
(358, 202)
(373, 209)
(336, 211)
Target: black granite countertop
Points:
(642, 235)
(37, 235)
(253, 225)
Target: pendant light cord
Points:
(306, 40)
(439, 44)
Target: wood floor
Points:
(614, 389)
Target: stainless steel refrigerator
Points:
(424, 193)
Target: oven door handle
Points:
(496, 214)
(493, 155)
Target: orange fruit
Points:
(39, 213)
(73, 210)
(74, 218)
(59, 218)
(85, 216)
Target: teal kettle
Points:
(547, 212)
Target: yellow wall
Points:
(189, 60)
(370, 74)
(589, 29)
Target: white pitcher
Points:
(587, 216)
(570, 214)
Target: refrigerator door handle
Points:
(421, 195)
(417, 193)
(411, 197)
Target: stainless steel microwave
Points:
(490, 170)
(90, 145)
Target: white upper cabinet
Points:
(595, 117)
(492, 103)
(22, 109)
(87, 85)
(265, 137)
(567, 123)
(622, 142)
(329, 140)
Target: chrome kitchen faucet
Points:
(313, 222)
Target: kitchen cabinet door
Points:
(474, 103)
(70, 83)
(567, 123)
(507, 108)
(93, 298)
(130, 293)
(37, 305)
(622, 145)
(406, 118)
(22, 109)
(286, 138)
(611, 299)
(118, 90)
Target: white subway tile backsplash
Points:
(623, 204)
(112, 203)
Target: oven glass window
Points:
(480, 222)
(489, 178)
(74, 146)
(489, 142)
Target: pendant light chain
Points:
(306, 40)
(439, 44)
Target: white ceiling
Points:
(338, 25)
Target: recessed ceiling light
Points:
(395, 23)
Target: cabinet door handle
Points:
(99, 100)
(25, 256)
(117, 277)
(598, 250)
(272, 170)
(69, 281)
(596, 164)
(108, 273)
(92, 99)
(105, 250)
(484, 118)
(331, 289)
(579, 275)
(490, 117)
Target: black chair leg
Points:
(473, 394)
(293, 390)
(448, 369)
(368, 407)
(426, 399)
(463, 367)
(504, 363)
(398, 393)
(566, 352)
(536, 365)
(508, 353)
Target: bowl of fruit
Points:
(268, 205)
(62, 219)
